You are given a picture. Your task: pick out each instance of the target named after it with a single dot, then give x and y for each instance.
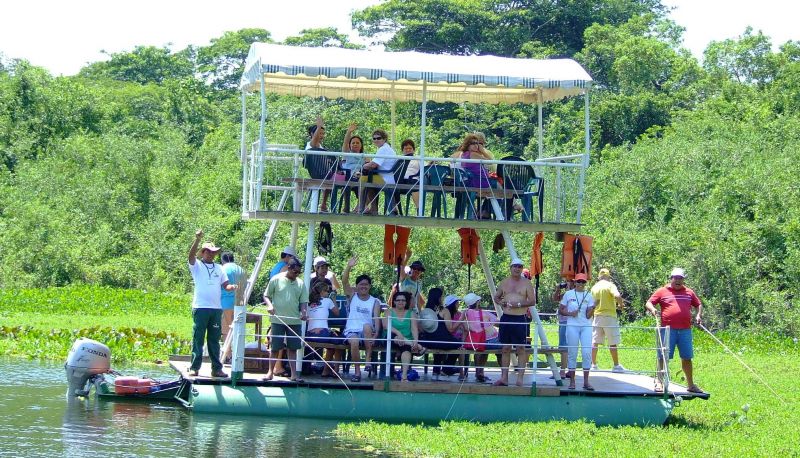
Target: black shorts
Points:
(513, 329)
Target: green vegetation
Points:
(742, 417)
(137, 326)
(104, 176)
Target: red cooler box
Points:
(132, 385)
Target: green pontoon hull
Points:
(417, 407)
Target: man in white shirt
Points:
(209, 279)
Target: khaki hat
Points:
(604, 273)
(210, 247)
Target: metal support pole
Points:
(487, 272)
(585, 162)
(307, 273)
(389, 344)
(423, 122)
(243, 155)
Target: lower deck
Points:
(537, 382)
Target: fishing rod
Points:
(700, 325)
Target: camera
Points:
(562, 285)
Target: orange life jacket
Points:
(394, 250)
(469, 245)
(576, 256)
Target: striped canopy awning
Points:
(370, 75)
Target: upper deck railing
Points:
(545, 194)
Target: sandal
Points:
(500, 383)
(659, 387)
(695, 389)
(571, 384)
(588, 387)
(356, 378)
(297, 380)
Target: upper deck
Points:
(282, 183)
(288, 184)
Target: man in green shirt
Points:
(286, 298)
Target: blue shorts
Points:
(562, 336)
(682, 338)
(494, 343)
(324, 336)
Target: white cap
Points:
(289, 250)
(470, 299)
(319, 260)
(516, 262)
(678, 272)
(450, 298)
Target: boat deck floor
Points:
(606, 383)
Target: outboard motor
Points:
(86, 359)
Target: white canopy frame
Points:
(405, 76)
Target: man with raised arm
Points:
(676, 302)
(411, 282)
(606, 324)
(363, 320)
(515, 294)
(287, 299)
(209, 280)
(316, 134)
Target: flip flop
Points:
(659, 387)
(588, 387)
(499, 383)
(695, 389)
(299, 380)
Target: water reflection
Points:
(39, 420)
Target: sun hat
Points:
(604, 273)
(470, 299)
(678, 272)
(210, 247)
(288, 250)
(580, 277)
(320, 261)
(450, 299)
(516, 262)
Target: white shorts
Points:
(606, 326)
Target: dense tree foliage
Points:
(105, 175)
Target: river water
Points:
(37, 419)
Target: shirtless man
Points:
(515, 294)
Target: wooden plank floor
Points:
(605, 383)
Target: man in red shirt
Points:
(676, 302)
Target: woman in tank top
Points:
(405, 335)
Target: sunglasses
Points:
(377, 138)
(580, 282)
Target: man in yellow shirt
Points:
(606, 324)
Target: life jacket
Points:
(576, 256)
(469, 245)
(394, 250)
(537, 265)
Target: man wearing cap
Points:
(607, 300)
(322, 270)
(287, 254)
(287, 299)
(676, 302)
(209, 279)
(515, 294)
(412, 282)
